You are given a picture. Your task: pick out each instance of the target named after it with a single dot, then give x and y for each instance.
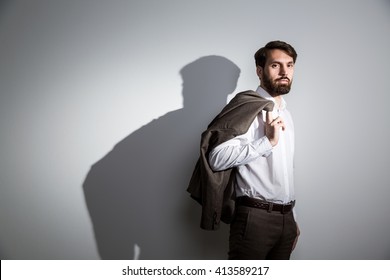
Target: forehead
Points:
(277, 55)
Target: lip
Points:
(284, 80)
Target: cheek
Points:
(272, 74)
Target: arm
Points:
(242, 149)
(238, 151)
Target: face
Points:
(277, 75)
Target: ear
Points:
(259, 71)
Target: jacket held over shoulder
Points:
(215, 190)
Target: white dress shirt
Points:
(263, 171)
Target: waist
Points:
(265, 205)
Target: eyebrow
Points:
(279, 62)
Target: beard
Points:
(274, 88)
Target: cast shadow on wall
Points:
(136, 194)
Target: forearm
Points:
(234, 153)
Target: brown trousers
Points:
(258, 234)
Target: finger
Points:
(279, 123)
(282, 124)
(269, 117)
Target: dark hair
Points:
(261, 54)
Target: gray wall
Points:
(102, 104)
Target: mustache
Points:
(283, 78)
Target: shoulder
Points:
(250, 97)
(248, 94)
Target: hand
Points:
(296, 238)
(272, 127)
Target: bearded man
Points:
(258, 158)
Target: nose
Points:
(282, 70)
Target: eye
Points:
(291, 65)
(274, 65)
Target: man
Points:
(257, 160)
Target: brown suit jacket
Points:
(215, 190)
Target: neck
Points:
(278, 100)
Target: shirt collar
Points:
(267, 96)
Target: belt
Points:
(261, 204)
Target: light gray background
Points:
(102, 84)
